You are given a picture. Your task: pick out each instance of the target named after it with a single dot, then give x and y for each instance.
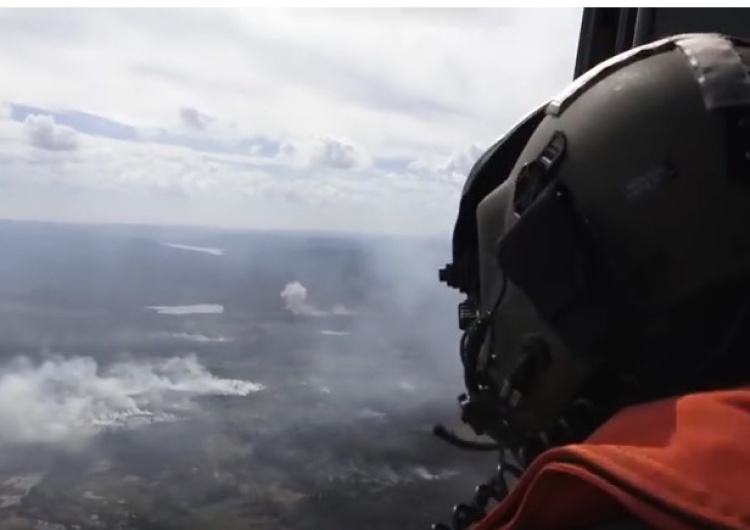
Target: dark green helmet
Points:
(629, 200)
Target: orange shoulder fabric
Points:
(677, 464)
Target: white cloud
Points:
(324, 152)
(455, 167)
(337, 154)
(44, 133)
(194, 119)
(462, 162)
(301, 106)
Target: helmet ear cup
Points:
(549, 255)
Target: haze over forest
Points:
(179, 378)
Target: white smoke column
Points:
(295, 297)
(64, 400)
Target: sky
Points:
(357, 120)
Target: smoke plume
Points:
(63, 400)
(295, 297)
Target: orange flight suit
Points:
(676, 464)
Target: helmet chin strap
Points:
(479, 409)
(479, 404)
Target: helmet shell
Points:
(653, 180)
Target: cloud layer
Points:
(330, 119)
